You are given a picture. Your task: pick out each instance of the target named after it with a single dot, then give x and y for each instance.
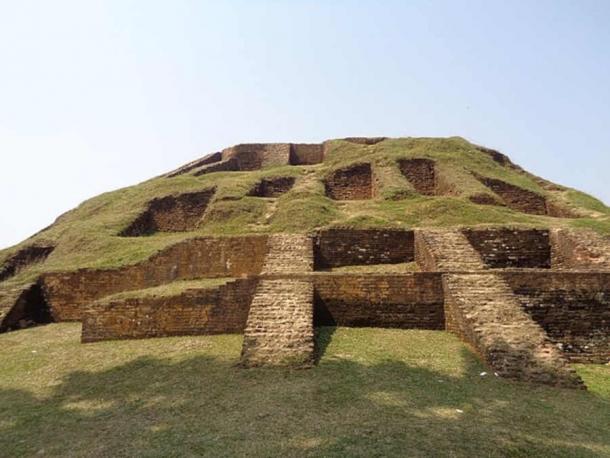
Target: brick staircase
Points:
(482, 310)
(279, 330)
(445, 251)
(288, 254)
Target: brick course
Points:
(345, 247)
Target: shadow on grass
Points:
(204, 406)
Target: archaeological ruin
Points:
(509, 265)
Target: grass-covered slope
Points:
(374, 393)
(88, 235)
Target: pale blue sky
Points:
(96, 95)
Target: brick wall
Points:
(346, 247)
(212, 257)
(179, 213)
(395, 301)
(573, 309)
(306, 154)
(420, 173)
(253, 156)
(193, 312)
(517, 198)
(206, 160)
(511, 248)
(582, 250)
(228, 165)
(350, 183)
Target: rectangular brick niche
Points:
(408, 301)
(511, 248)
(350, 183)
(421, 174)
(347, 247)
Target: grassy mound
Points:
(88, 235)
(374, 393)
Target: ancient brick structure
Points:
(218, 310)
(306, 153)
(483, 310)
(206, 160)
(506, 248)
(528, 301)
(583, 250)
(24, 258)
(573, 308)
(420, 173)
(445, 251)
(208, 257)
(279, 330)
(253, 156)
(394, 301)
(225, 165)
(347, 247)
(515, 197)
(171, 214)
(26, 306)
(350, 183)
(272, 187)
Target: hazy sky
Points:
(96, 95)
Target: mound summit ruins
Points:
(273, 240)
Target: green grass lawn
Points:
(374, 393)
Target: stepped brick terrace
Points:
(529, 299)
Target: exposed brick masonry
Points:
(445, 251)
(511, 248)
(171, 214)
(272, 187)
(583, 250)
(217, 310)
(346, 247)
(350, 183)
(394, 301)
(67, 293)
(573, 309)
(420, 173)
(482, 310)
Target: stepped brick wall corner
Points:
(512, 248)
(207, 257)
(206, 160)
(279, 330)
(217, 310)
(482, 310)
(346, 247)
(350, 183)
(225, 165)
(573, 309)
(272, 187)
(171, 214)
(393, 301)
(582, 250)
(420, 173)
(445, 251)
